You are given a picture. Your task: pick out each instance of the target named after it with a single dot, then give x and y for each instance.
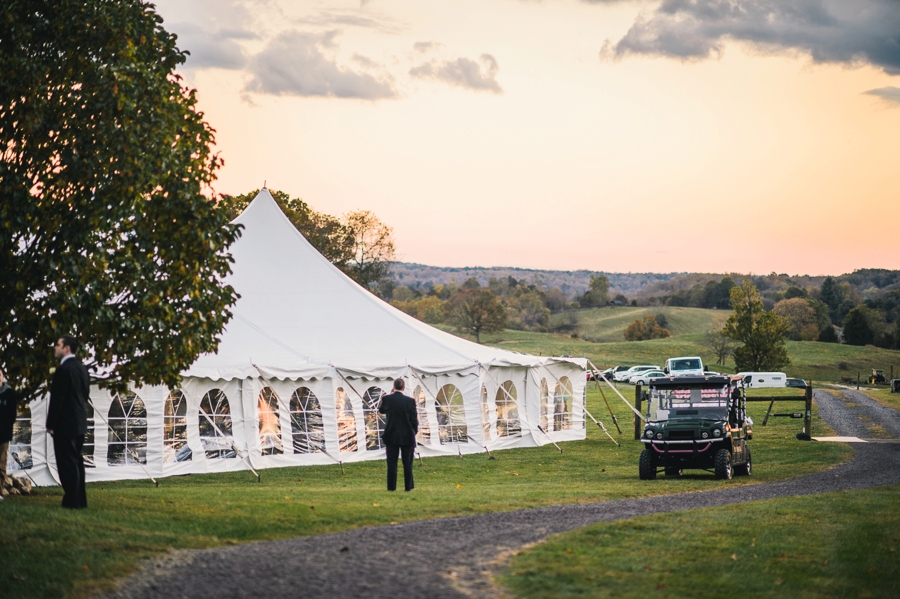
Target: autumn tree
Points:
(761, 333)
(801, 318)
(476, 311)
(646, 328)
(861, 326)
(373, 248)
(107, 229)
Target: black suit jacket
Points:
(401, 419)
(69, 391)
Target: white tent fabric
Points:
(298, 372)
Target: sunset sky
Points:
(688, 135)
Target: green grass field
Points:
(606, 325)
(835, 545)
(46, 551)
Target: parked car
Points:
(618, 370)
(796, 383)
(627, 374)
(643, 378)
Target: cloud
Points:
(890, 95)
(371, 20)
(831, 31)
(215, 43)
(294, 64)
(463, 72)
(425, 46)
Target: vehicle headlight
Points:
(704, 434)
(717, 432)
(649, 434)
(659, 435)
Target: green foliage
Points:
(722, 347)
(646, 328)
(761, 333)
(525, 311)
(828, 335)
(858, 326)
(598, 293)
(107, 230)
(330, 236)
(476, 311)
(428, 309)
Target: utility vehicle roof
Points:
(674, 382)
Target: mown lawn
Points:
(46, 551)
(834, 545)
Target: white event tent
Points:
(299, 373)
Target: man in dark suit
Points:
(67, 420)
(399, 435)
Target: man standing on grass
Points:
(399, 435)
(67, 420)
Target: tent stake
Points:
(489, 453)
(421, 463)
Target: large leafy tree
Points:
(761, 333)
(597, 294)
(107, 229)
(373, 248)
(476, 311)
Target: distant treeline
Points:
(859, 308)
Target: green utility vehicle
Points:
(697, 422)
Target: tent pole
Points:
(131, 451)
(597, 422)
(611, 386)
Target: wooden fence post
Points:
(807, 416)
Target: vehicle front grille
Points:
(680, 435)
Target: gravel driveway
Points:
(453, 557)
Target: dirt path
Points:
(453, 557)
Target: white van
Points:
(758, 380)
(689, 366)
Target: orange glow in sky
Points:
(496, 133)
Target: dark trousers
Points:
(407, 453)
(70, 466)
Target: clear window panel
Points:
(127, 438)
(19, 454)
(346, 421)
(562, 405)
(373, 419)
(269, 423)
(307, 426)
(545, 405)
(508, 424)
(485, 415)
(451, 416)
(215, 426)
(175, 446)
(423, 437)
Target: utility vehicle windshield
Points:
(686, 364)
(694, 401)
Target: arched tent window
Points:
(374, 421)
(175, 446)
(545, 404)
(127, 430)
(562, 405)
(307, 426)
(215, 426)
(485, 415)
(451, 415)
(507, 411)
(87, 450)
(424, 434)
(346, 421)
(19, 456)
(269, 425)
